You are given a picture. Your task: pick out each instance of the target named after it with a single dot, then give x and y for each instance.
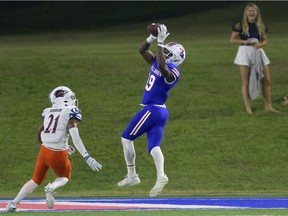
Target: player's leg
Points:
(137, 126)
(154, 136)
(162, 178)
(158, 158)
(58, 182)
(39, 175)
(245, 73)
(157, 155)
(27, 189)
(51, 187)
(129, 156)
(62, 167)
(131, 178)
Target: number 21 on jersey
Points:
(53, 121)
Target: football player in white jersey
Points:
(152, 118)
(60, 122)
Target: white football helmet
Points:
(63, 96)
(174, 53)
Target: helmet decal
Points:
(174, 53)
(60, 93)
(182, 52)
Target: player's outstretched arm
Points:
(162, 35)
(73, 130)
(144, 49)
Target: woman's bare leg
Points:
(245, 73)
(266, 90)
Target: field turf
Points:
(211, 146)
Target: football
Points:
(153, 28)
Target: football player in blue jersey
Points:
(152, 118)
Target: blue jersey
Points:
(157, 89)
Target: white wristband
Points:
(151, 39)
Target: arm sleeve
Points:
(77, 141)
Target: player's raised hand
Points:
(94, 165)
(151, 39)
(162, 34)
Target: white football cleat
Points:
(49, 196)
(129, 181)
(11, 207)
(159, 185)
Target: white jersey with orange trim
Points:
(56, 132)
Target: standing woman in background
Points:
(251, 35)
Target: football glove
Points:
(162, 35)
(71, 150)
(94, 165)
(151, 39)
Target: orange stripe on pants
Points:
(56, 160)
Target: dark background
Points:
(29, 17)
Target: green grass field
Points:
(211, 146)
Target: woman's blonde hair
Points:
(259, 23)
